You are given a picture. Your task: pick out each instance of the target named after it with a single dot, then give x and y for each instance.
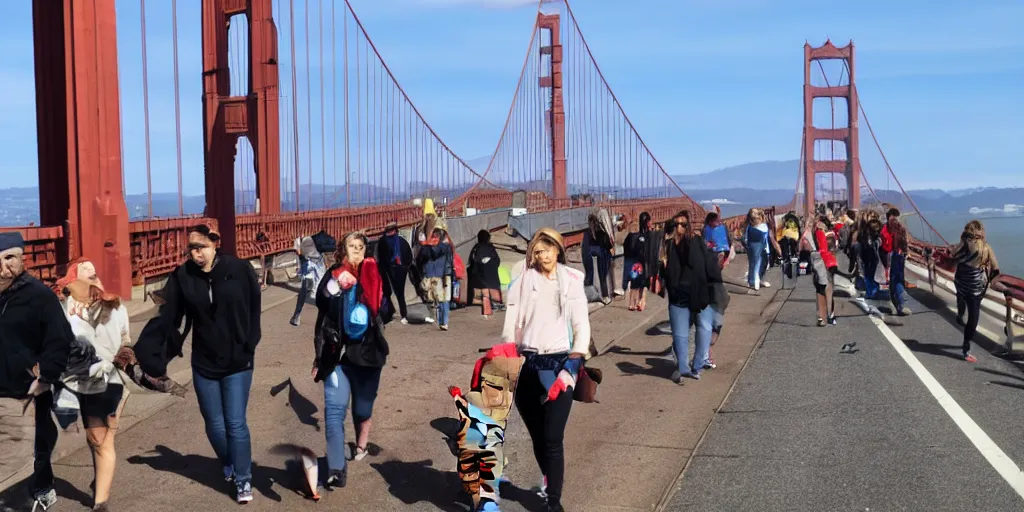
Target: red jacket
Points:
(822, 242)
(886, 239)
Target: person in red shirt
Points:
(824, 264)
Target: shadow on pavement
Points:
(951, 351)
(656, 367)
(303, 407)
(207, 471)
(17, 497)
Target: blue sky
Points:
(708, 83)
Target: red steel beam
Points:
(79, 135)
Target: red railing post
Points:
(551, 23)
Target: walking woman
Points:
(868, 239)
(896, 241)
(312, 268)
(349, 349)
(394, 257)
(483, 273)
(755, 240)
(824, 266)
(549, 322)
(976, 268)
(438, 264)
(221, 295)
(688, 270)
(100, 319)
(637, 269)
(597, 243)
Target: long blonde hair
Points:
(973, 248)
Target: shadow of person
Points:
(18, 496)
(207, 471)
(450, 428)
(303, 407)
(656, 367)
(414, 482)
(950, 351)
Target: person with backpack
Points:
(221, 295)
(438, 263)
(350, 350)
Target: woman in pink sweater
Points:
(548, 320)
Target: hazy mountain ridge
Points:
(733, 185)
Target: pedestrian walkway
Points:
(622, 453)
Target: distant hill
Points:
(755, 175)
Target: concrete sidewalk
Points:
(622, 453)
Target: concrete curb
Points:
(183, 377)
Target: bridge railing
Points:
(41, 250)
(160, 245)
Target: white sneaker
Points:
(428, 320)
(404, 322)
(766, 284)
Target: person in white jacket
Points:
(312, 268)
(548, 320)
(98, 318)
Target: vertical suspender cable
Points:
(145, 112)
(295, 107)
(323, 140)
(177, 101)
(309, 118)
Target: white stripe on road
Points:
(988, 448)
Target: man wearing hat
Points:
(394, 259)
(35, 338)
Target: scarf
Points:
(346, 275)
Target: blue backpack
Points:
(355, 317)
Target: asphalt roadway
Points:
(784, 423)
(808, 428)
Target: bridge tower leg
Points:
(551, 25)
(226, 118)
(850, 167)
(79, 135)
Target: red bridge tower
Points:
(551, 24)
(850, 167)
(226, 118)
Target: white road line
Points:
(988, 448)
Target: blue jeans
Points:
(347, 383)
(223, 404)
(443, 308)
(679, 319)
(755, 254)
(897, 265)
(870, 285)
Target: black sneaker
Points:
(338, 479)
(244, 492)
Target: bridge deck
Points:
(805, 428)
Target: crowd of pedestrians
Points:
(72, 353)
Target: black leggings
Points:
(546, 424)
(972, 305)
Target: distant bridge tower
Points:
(850, 167)
(551, 23)
(227, 118)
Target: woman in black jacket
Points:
(349, 364)
(483, 272)
(221, 295)
(689, 271)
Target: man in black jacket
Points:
(35, 339)
(221, 295)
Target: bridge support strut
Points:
(79, 135)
